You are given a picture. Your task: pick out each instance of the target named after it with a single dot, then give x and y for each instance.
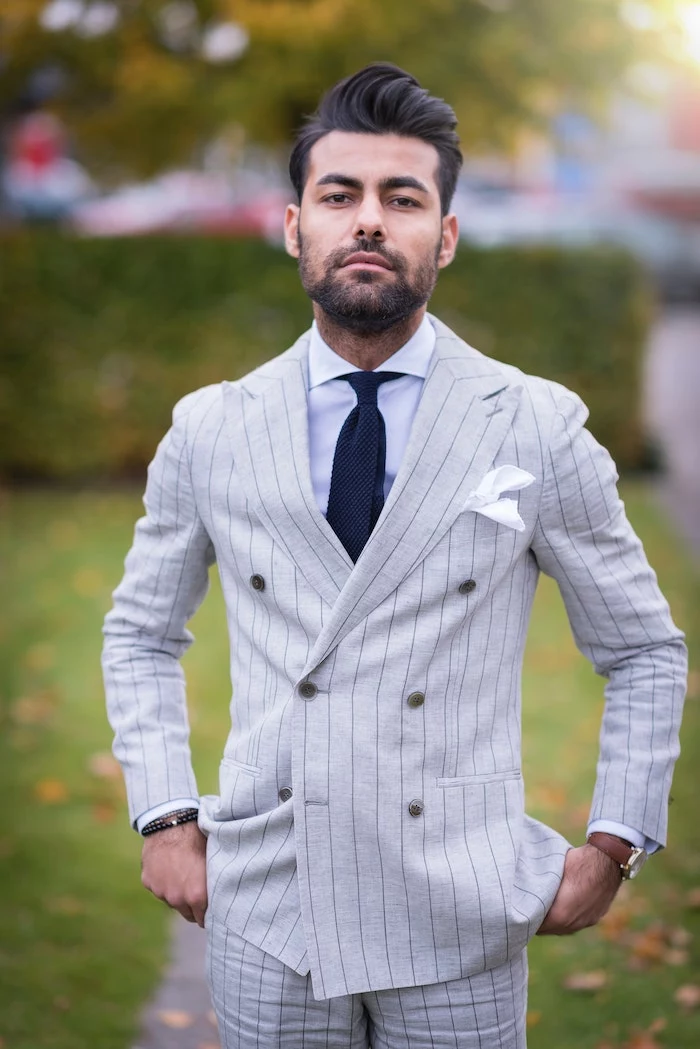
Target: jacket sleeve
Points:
(165, 581)
(620, 621)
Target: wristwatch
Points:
(630, 857)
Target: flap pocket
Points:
(476, 778)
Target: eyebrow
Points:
(403, 182)
(393, 182)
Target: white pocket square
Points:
(486, 497)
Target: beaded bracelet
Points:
(171, 819)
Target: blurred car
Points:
(259, 216)
(183, 202)
(172, 201)
(668, 247)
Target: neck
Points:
(371, 350)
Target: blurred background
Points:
(143, 149)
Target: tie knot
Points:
(366, 384)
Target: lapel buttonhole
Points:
(495, 393)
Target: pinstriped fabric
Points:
(261, 1004)
(340, 879)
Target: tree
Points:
(149, 90)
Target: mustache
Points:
(395, 259)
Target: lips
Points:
(366, 260)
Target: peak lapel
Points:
(267, 421)
(463, 416)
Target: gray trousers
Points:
(262, 1004)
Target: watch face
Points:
(635, 863)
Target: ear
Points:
(291, 230)
(450, 237)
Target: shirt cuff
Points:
(622, 831)
(164, 809)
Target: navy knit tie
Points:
(357, 481)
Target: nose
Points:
(369, 221)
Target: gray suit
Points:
(404, 856)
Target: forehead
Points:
(371, 158)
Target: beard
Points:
(364, 301)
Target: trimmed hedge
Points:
(101, 337)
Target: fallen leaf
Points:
(64, 905)
(88, 582)
(549, 796)
(33, 710)
(692, 899)
(676, 956)
(51, 791)
(658, 1025)
(40, 656)
(580, 814)
(103, 812)
(641, 1040)
(554, 657)
(649, 945)
(175, 1018)
(594, 980)
(680, 937)
(533, 1017)
(688, 996)
(104, 765)
(617, 921)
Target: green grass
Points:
(82, 943)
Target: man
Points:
(371, 877)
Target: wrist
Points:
(604, 862)
(169, 820)
(628, 858)
(184, 835)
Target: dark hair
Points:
(382, 99)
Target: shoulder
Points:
(197, 403)
(544, 396)
(547, 398)
(542, 401)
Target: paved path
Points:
(180, 1015)
(672, 410)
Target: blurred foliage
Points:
(101, 337)
(142, 97)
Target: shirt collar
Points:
(413, 358)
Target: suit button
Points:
(285, 793)
(416, 699)
(257, 582)
(467, 586)
(307, 690)
(415, 807)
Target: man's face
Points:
(369, 234)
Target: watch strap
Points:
(616, 848)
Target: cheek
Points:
(318, 239)
(421, 242)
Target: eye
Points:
(405, 202)
(336, 198)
